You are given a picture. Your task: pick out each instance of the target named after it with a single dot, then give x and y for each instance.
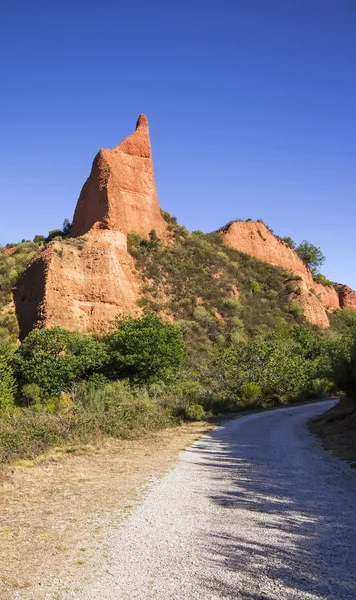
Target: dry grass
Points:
(57, 509)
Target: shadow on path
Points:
(287, 526)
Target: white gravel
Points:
(254, 510)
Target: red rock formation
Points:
(254, 238)
(347, 297)
(78, 285)
(82, 284)
(120, 193)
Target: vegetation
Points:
(319, 278)
(14, 259)
(53, 359)
(145, 350)
(220, 331)
(310, 254)
(8, 384)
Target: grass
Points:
(230, 297)
(24, 434)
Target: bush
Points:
(31, 393)
(319, 278)
(119, 410)
(7, 379)
(145, 349)
(274, 367)
(288, 241)
(116, 409)
(195, 412)
(25, 433)
(13, 261)
(321, 388)
(251, 393)
(55, 358)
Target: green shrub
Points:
(255, 286)
(273, 367)
(31, 393)
(145, 349)
(321, 388)
(55, 358)
(195, 412)
(288, 241)
(250, 393)
(13, 261)
(8, 383)
(319, 278)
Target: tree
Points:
(274, 364)
(66, 227)
(39, 239)
(55, 358)
(342, 356)
(54, 233)
(145, 349)
(311, 255)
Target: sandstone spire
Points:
(120, 193)
(83, 284)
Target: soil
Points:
(337, 430)
(56, 510)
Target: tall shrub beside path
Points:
(145, 349)
(54, 358)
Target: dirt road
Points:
(254, 510)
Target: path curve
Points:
(254, 510)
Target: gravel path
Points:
(254, 510)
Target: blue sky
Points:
(252, 109)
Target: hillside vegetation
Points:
(221, 331)
(13, 261)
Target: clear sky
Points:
(251, 103)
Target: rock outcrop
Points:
(253, 237)
(81, 285)
(347, 297)
(120, 193)
(83, 282)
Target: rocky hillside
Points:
(83, 281)
(317, 300)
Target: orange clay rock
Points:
(255, 239)
(82, 283)
(120, 193)
(347, 297)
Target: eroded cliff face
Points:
(347, 297)
(120, 193)
(82, 283)
(79, 285)
(254, 238)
